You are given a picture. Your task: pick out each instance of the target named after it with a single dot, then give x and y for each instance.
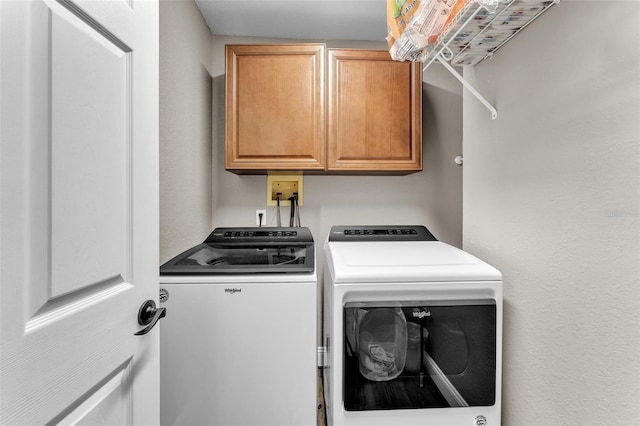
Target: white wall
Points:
(432, 197)
(551, 192)
(551, 198)
(185, 127)
(197, 193)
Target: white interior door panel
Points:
(79, 211)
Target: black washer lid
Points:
(247, 251)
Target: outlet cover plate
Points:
(264, 217)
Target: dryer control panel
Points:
(381, 233)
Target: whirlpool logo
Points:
(421, 314)
(233, 290)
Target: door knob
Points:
(149, 315)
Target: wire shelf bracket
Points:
(466, 84)
(487, 12)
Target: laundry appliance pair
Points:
(412, 330)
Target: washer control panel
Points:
(381, 233)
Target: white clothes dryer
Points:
(412, 328)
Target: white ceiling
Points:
(298, 19)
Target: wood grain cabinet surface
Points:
(276, 117)
(375, 113)
(275, 110)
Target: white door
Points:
(79, 211)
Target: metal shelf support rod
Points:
(467, 85)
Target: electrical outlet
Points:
(264, 217)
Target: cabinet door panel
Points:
(275, 107)
(375, 113)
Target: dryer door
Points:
(422, 354)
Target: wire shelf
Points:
(481, 28)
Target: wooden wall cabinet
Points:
(275, 107)
(375, 113)
(276, 114)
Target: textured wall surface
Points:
(185, 127)
(551, 195)
(197, 193)
(432, 197)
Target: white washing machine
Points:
(238, 344)
(412, 328)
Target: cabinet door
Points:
(275, 111)
(375, 113)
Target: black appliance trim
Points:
(380, 233)
(242, 238)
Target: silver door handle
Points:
(149, 315)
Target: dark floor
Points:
(322, 413)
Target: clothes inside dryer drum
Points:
(382, 344)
